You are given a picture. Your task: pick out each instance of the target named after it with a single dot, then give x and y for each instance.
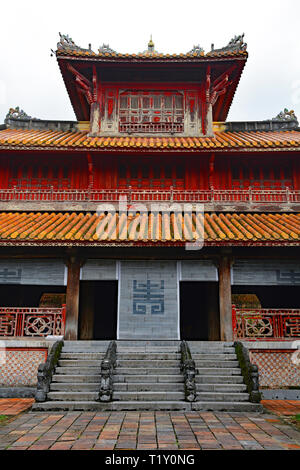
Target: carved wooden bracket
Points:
(210, 92)
(90, 89)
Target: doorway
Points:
(98, 310)
(199, 311)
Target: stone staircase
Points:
(76, 381)
(219, 380)
(147, 376)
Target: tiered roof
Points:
(158, 228)
(23, 139)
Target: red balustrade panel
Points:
(266, 324)
(23, 321)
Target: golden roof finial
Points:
(150, 44)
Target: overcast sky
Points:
(30, 78)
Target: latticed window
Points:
(255, 175)
(151, 111)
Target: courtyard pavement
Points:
(147, 431)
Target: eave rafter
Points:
(85, 86)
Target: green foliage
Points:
(3, 418)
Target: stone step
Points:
(147, 356)
(85, 349)
(147, 363)
(148, 343)
(209, 344)
(234, 388)
(147, 351)
(79, 363)
(91, 345)
(148, 378)
(148, 370)
(241, 407)
(72, 396)
(212, 349)
(82, 356)
(218, 364)
(67, 378)
(78, 370)
(74, 387)
(148, 387)
(111, 406)
(218, 371)
(148, 396)
(217, 396)
(215, 379)
(213, 357)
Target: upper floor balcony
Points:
(213, 199)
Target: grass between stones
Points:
(4, 419)
(296, 420)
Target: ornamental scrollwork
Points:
(257, 327)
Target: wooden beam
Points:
(225, 298)
(72, 299)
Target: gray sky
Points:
(30, 78)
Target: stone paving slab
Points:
(14, 406)
(146, 430)
(282, 407)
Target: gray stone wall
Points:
(99, 270)
(33, 272)
(148, 300)
(266, 272)
(198, 270)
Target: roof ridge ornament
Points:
(286, 115)
(150, 44)
(66, 43)
(106, 49)
(236, 44)
(17, 113)
(198, 50)
(151, 49)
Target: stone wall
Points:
(149, 300)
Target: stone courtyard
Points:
(148, 430)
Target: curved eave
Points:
(150, 150)
(138, 244)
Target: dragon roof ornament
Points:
(106, 49)
(196, 50)
(66, 43)
(17, 113)
(236, 44)
(286, 115)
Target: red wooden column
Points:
(72, 298)
(225, 298)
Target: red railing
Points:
(265, 324)
(28, 321)
(249, 196)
